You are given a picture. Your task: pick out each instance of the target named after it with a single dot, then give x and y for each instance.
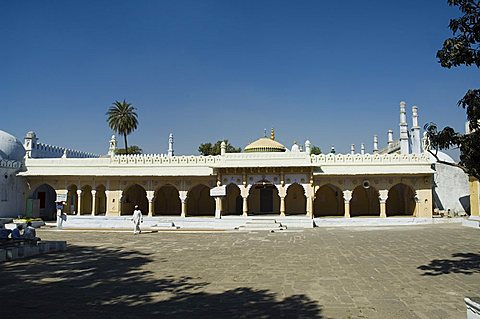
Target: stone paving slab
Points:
(386, 272)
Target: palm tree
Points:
(122, 119)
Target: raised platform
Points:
(472, 221)
(14, 252)
(377, 221)
(242, 222)
(185, 223)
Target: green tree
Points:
(215, 149)
(315, 150)
(122, 119)
(134, 149)
(462, 49)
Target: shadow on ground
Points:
(461, 263)
(84, 282)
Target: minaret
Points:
(223, 148)
(113, 146)
(308, 145)
(332, 150)
(272, 134)
(390, 138)
(404, 146)
(170, 145)
(362, 148)
(30, 143)
(416, 140)
(352, 149)
(375, 144)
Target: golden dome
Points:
(264, 144)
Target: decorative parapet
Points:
(41, 150)
(10, 164)
(323, 159)
(160, 159)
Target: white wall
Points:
(11, 193)
(451, 189)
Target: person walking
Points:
(137, 220)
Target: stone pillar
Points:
(94, 202)
(79, 195)
(347, 197)
(383, 202)
(310, 206)
(245, 206)
(183, 200)
(282, 205)
(218, 207)
(150, 197)
(120, 199)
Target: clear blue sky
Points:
(330, 71)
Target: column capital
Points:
(79, 192)
(383, 195)
(347, 196)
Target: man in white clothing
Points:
(137, 219)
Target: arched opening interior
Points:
(86, 200)
(43, 202)
(167, 202)
(401, 201)
(295, 201)
(134, 195)
(328, 202)
(72, 200)
(199, 201)
(364, 202)
(263, 199)
(100, 200)
(233, 202)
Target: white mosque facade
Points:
(266, 180)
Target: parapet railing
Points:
(369, 158)
(160, 159)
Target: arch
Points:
(86, 200)
(263, 198)
(72, 200)
(100, 200)
(401, 200)
(295, 201)
(134, 195)
(199, 201)
(45, 195)
(233, 202)
(365, 202)
(329, 201)
(167, 201)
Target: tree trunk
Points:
(126, 147)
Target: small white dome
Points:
(10, 147)
(295, 147)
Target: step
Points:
(164, 225)
(262, 221)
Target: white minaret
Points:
(404, 145)
(352, 149)
(30, 143)
(112, 146)
(362, 148)
(223, 148)
(170, 145)
(375, 144)
(416, 140)
(308, 146)
(390, 138)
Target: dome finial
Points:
(272, 134)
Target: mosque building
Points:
(266, 180)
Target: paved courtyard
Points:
(382, 272)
